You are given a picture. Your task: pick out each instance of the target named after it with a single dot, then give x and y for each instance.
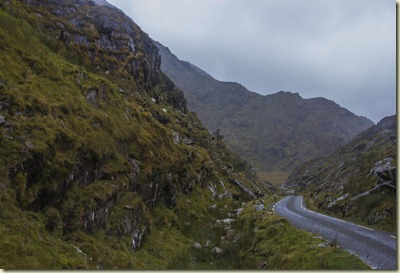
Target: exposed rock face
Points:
(385, 171)
(118, 38)
(362, 169)
(274, 132)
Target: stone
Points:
(91, 98)
(188, 141)
(339, 199)
(238, 211)
(217, 250)
(377, 216)
(176, 137)
(259, 207)
(263, 265)
(29, 145)
(2, 120)
(197, 246)
(227, 221)
(136, 237)
(384, 170)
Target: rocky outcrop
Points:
(113, 38)
(385, 171)
(96, 140)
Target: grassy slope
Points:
(51, 132)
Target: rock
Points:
(176, 137)
(197, 246)
(2, 120)
(263, 265)
(339, 199)
(188, 141)
(376, 217)
(91, 98)
(136, 237)
(208, 243)
(217, 250)
(29, 145)
(227, 221)
(259, 207)
(243, 187)
(238, 211)
(324, 244)
(384, 170)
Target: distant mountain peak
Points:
(273, 132)
(102, 2)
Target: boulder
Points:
(136, 237)
(197, 246)
(91, 98)
(217, 250)
(188, 141)
(176, 137)
(385, 171)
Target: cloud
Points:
(342, 50)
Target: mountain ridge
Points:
(272, 132)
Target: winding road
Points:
(375, 248)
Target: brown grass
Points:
(275, 178)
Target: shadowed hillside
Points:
(275, 132)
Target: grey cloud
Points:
(342, 50)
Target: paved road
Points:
(375, 248)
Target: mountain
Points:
(99, 152)
(358, 181)
(273, 132)
(103, 166)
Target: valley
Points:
(110, 162)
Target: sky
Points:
(343, 50)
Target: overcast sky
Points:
(343, 50)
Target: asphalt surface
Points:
(375, 248)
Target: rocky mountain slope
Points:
(96, 142)
(273, 132)
(103, 167)
(358, 181)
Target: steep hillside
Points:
(97, 147)
(274, 132)
(358, 181)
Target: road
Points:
(375, 248)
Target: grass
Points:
(275, 178)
